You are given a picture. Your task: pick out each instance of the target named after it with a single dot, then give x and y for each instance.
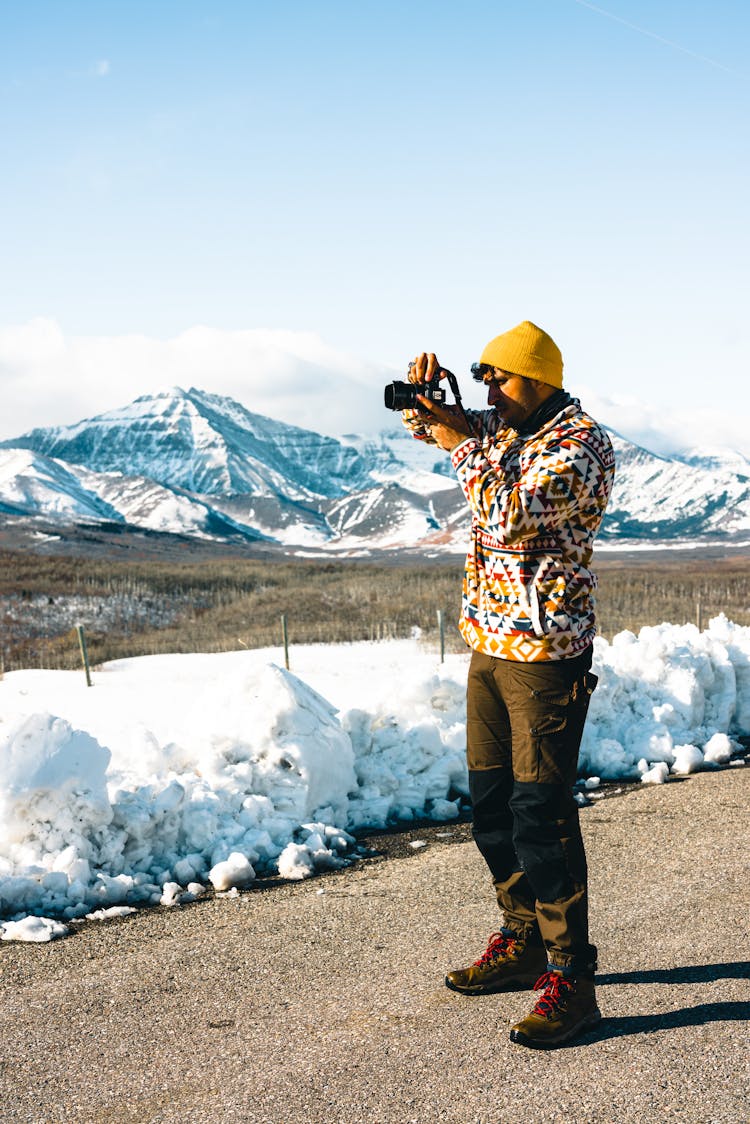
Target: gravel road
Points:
(324, 1001)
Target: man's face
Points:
(514, 397)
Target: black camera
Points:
(403, 395)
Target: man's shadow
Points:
(698, 1015)
(693, 973)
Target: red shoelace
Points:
(497, 944)
(556, 989)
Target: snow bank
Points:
(669, 696)
(220, 781)
(173, 772)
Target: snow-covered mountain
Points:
(672, 498)
(33, 484)
(198, 464)
(206, 444)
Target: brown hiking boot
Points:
(509, 963)
(566, 1007)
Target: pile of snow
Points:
(670, 696)
(174, 772)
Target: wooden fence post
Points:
(441, 629)
(84, 653)
(285, 639)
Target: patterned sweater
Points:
(537, 500)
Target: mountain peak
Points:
(207, 444)
(167, 392)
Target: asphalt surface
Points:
(324, 1000)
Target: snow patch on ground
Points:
(35, 930)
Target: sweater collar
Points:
(543, 413)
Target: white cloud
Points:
(48, 378)
(101, 68)
(668, 427)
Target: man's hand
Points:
(424, 367)
(446, 425)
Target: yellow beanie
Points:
(526, 350)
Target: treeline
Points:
(142, 608)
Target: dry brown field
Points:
(140, 608)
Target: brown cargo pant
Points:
(523, 732)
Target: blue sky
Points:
(372, 180)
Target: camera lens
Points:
(400, 396)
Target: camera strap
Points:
(453, 384)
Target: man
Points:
(537, 473)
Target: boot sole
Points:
(586, 1023)
(520, 983)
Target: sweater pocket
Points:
(563, 600)
(536, 611)
(499, 591)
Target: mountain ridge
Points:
(188, 462)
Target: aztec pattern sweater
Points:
(537, 501)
